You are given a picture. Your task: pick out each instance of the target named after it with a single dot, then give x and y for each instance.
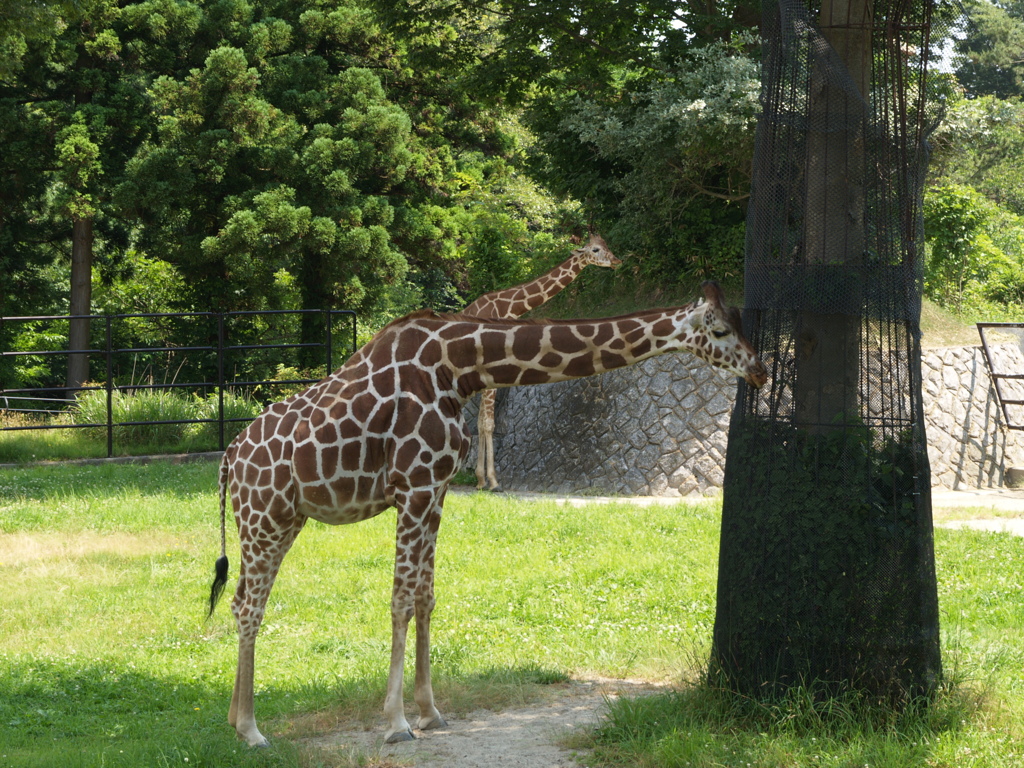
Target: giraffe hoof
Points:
(437, 722)
(253, 738)
(399, 736)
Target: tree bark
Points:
(81, 303)
(828, 344)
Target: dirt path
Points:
(524, 737)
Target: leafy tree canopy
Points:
(69, 119)
(992, 49)
(642, 111)
(980, 143)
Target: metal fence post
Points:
(110, 389)
(220, 378)
(330, 346)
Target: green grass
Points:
(975, 719)
(24, 446)
(106, 660)
(20, 446)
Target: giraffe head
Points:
(597, 252)
(720, 338)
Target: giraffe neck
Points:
(520, 299)
(505, 353)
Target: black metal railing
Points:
(212, 357)
(1004, 397)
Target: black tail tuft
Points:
(220, 578)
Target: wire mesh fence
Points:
(826, 571)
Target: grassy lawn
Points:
(106, 660)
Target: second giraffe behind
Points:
(515, 302)
(386, 430)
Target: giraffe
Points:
(386, 430)
(515, 302)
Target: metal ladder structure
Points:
(997, 377)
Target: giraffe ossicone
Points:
(386, 430)
(515, 302)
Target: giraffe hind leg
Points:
(485, 442)
(492, 478)
(260, 564)
(482, 431)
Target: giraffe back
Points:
(339, 451)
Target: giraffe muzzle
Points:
(758, 376)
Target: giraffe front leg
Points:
(429, 716)
(394, 710)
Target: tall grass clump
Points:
(137, 414)
(239, 407)
(703, 726)
(141, 405)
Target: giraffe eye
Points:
(719, 334)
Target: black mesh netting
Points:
(827, 570)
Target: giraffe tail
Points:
(220, 578)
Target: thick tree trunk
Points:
(315, 295)
(828, 345)
(826, 570)
(81, 303)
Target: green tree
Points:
(75, 113)
(681, 147)
(605, 89)
(992, 49)
(302, 143)
(979, 144)
(975, 250)
(28, 22)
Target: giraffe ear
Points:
(715, 297)
(713, 292)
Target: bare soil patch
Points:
(532, 736)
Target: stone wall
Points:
(968, 446)
(659, 428)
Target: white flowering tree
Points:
(674, 154)
(680, 147)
